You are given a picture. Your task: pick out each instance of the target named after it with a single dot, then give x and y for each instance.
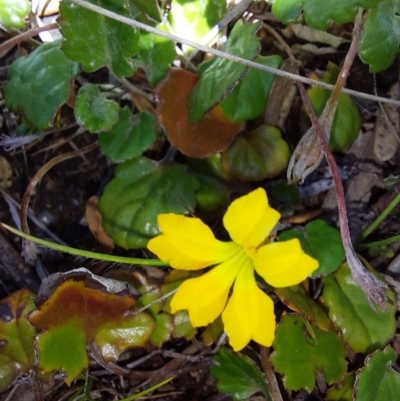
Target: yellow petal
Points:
(249, 314)
(282, 264)
(187, 243)
(249, 219)
(205, 297)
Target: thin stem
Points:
(85, 254)
(215, 52)
(26, 35)
(39, 175)
(381, 217)
(382, 242)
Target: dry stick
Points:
(360, 274)
(215, 52)
(39, 175)
(372, 287)
(26, 35)
(273, 386)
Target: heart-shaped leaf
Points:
(202, 139)
(299, 354)
(39, 84)
(140, 191)
(106, 42)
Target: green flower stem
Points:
(380, 218)
(382, 242)
(86, 254)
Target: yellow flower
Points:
(187, 243)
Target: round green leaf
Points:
(362, 328)
(257, 155)
(13, 13)
(130, 137)
(320, 241)
(299, 354)
(249, 98)
(97, 41)
(39, 84)
(378, 381)
(140, 191)
(93, 111)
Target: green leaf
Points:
(320, 13)
(363, 329)
(13, 13)
(39, 84)
(130, 137)
(155, 56)
(257, 155)
(219, 76)
(347, 121)
(182, 326)
(163, 330)
(150, 7)
(249, 98)
(140, 191)
(93, 111)
(193, 19)
(106, 42)
(238, 375)
(342, 391)
(299, 355)
(16, 337)
(320, 241)
(380, 41)
(378, 381)
(212, 193)
(298, 300)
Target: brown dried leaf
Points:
(211, 135)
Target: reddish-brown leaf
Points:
(211, 135)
